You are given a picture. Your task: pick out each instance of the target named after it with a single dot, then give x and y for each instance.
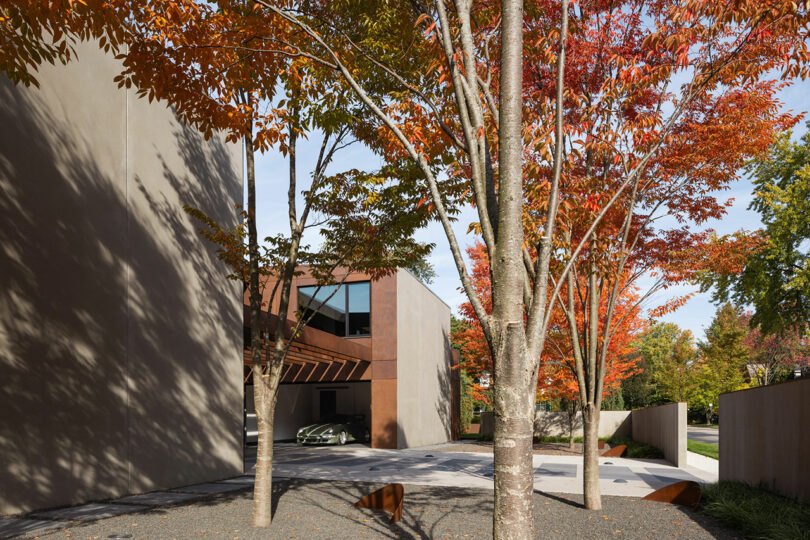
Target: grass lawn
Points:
(755, 512)
(705, 449)
(715, 426)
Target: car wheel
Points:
(342, 438)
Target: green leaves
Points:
(776, 279)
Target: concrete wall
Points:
(765, 437)
(424, 396)
(663, 427)
(555, 424)
(120, 338)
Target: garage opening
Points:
(305, 404)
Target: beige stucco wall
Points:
(120, 338)
(663, 427)
(555, 424)
(765, 437)
(423, 365)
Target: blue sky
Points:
(271, 186)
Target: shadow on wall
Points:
(556, 424)
(444, 399)
(112, 357)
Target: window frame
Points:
(345, 284)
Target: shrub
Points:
(756, 512)
(637, 449)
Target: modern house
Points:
(120, 337)
(380, 348)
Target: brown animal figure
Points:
(686, 493)
(388, 498)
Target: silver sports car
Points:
(337, 429)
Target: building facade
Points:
(380, 348)
(120, 336)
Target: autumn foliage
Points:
(556, 378)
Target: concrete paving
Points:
(703, 434)
(430, 466)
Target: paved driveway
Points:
(431, 466)
(703, 434)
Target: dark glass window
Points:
(359, 309)
(347, 312)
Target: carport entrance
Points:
(301, 404)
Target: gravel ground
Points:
(307, 509)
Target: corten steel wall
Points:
(555, 424)
(663, 427)
(424, 394)
(765, 437)
(120, 338)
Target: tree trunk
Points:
(262, 506)
(263, 486)
(514, 470)
(590, 459)
(572, 415)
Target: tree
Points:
(458, 340)
(775, 276)
(638, 390)
(773, 357)
(633, 164)
(723, 359)
(466, 401)
(557, 379)
(669, 352)
(475, 100)
(423, 271)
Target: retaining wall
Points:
(765, 437)
(555, 424)
(663, 427)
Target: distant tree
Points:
(557, 378)
(614, 401)
(638, 391)
(466, 401)
(423, 270)
(775, 279)
(774, 356)
(722, 362)
(668, 353)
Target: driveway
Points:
(703, 434)
(432, 466)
